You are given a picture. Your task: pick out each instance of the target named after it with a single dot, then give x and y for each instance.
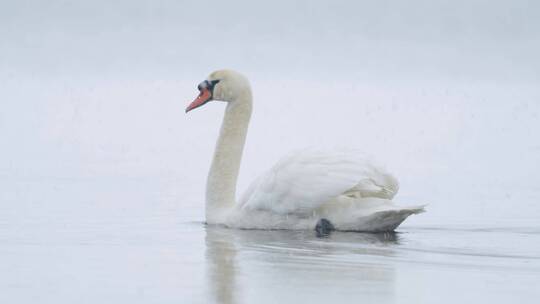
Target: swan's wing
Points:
(302, 182)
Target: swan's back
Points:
(304, 181)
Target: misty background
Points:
(102, 174)
(445, 93)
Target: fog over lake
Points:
(102, 174)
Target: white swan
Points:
(343, 189)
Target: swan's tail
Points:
(387, 220)
(376, 215)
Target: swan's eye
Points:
(209, 85)
(203, 85)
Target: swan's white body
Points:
(341, 186)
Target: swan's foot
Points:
(324, 227)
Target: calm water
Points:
(127, 240)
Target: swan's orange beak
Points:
(204, 97)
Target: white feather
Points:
(302, 182)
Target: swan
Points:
(310, 189)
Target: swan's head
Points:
(222, 85)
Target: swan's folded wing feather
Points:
(302, 182)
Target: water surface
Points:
(133, 240)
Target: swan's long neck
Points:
(221, 183)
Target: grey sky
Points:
(460, 40)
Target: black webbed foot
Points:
(324, 227)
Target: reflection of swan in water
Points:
(221, 254)
(278, 265)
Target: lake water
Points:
(139, 240)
